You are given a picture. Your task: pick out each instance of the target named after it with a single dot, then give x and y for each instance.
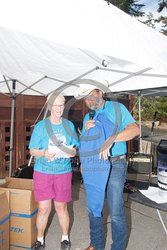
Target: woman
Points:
(52, 143)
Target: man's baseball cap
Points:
(88, 85)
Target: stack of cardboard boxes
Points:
(4, 220)
(23, 210)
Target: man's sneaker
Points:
(65, 245)
(39, 245)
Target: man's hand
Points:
(89, 124)
(105, 148)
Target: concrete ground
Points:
(145, 231)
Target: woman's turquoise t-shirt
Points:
(41, 138)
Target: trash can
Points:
(162, 165)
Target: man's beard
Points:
(97, 104)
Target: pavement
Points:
(159, 132)
(145, 230)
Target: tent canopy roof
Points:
(69, 40)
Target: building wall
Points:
(27, 110)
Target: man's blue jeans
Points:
(115, 202)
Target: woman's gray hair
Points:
(52, 97)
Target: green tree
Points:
(131, 7)
(150, 20)
(162, 19)
(162, 5)
(151, 104)
(162, 108)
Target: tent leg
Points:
(140, 143)
(12, 127)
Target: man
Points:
(52, 144)
(120, 128)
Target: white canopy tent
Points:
(48, 44)
(82, 36)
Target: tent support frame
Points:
(13, 96)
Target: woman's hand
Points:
(72, 153)
(48, 155)
(41, 152)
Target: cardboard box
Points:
(4, 221)
(23, 211)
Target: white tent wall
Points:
(67, 39)
(90, 25)
(48, 44)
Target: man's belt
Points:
(116, 158)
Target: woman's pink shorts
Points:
(53, 186)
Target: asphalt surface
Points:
(145, 230)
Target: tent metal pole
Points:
(12, 127)
(7, 84)
(30, 87)
(140, 142)
(45, 114)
